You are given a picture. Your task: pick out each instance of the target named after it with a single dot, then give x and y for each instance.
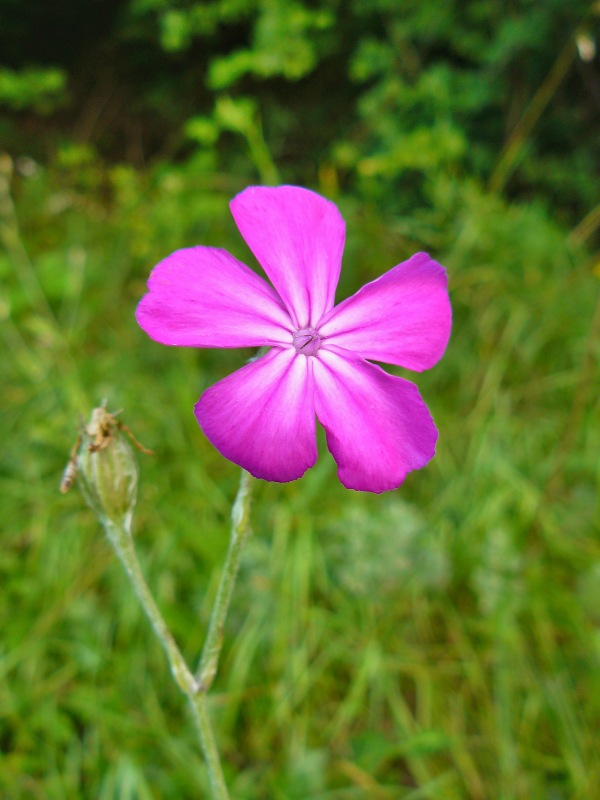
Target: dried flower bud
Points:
(107, 469)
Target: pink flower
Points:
(263, 416)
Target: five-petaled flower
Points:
(262, 417)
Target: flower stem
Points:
(210, 752)
(240, 531)
(122, 541)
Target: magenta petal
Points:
(263, 416)
(297, 237)
(378, 427)
(204, 297)
(403, 317)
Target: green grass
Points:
(435, 643)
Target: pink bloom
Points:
(263, 416)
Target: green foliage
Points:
(438, 642)
(372, 639)
(283, 44)
(42, 90)
(381, 93)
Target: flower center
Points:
(307, 341)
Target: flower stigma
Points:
(307, 341)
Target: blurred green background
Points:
(440, 642)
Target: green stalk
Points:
(108, 476)
(240, 531)
(122, 541)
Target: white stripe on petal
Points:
(204, 297)
(263, 416)
(378, 428)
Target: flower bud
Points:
(107, 469)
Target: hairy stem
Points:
(240, 531)
(122, 541)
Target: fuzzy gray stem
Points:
(240, 531)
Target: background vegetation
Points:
(438, 642)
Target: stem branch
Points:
(122, 541)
